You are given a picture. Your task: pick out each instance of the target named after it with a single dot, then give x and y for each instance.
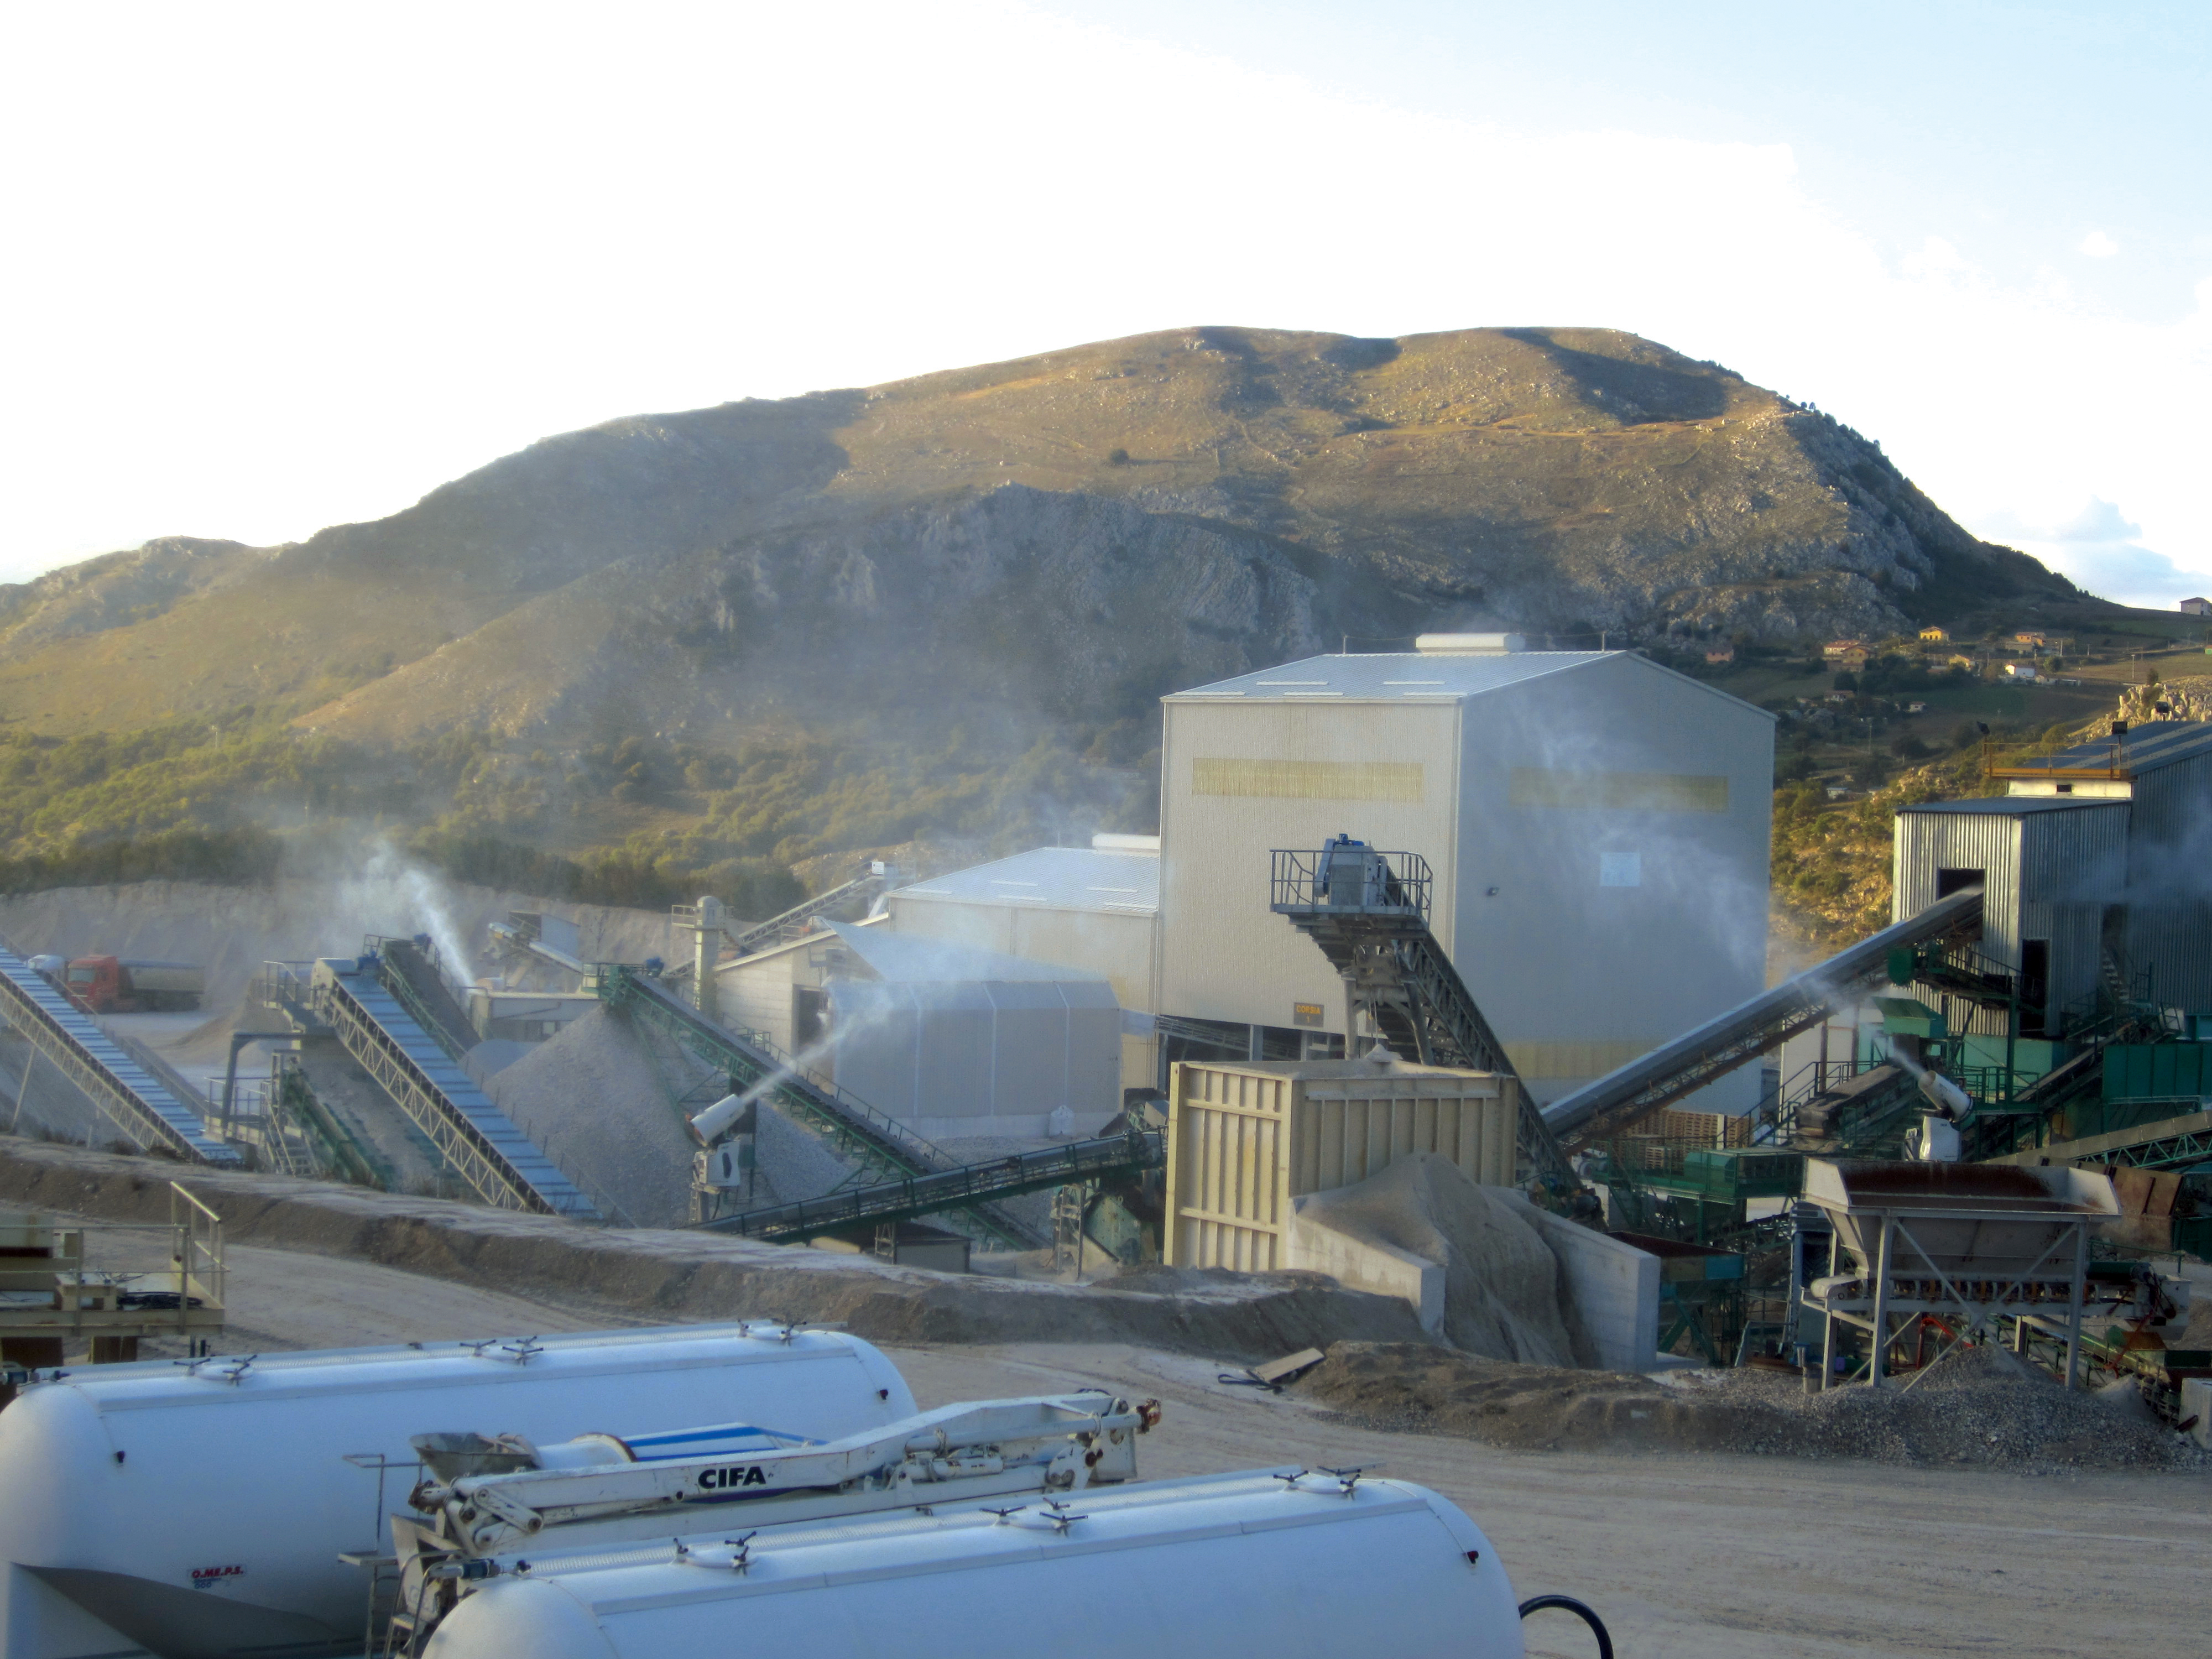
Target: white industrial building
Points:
(1598, 827)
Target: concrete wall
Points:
(1361, 1265)
(1612, 1300)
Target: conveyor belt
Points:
(880, 1143)
(1691, 1061)
(493, 1156)
(124, 1091)
(909, 1196)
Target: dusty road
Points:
(1687, 1558)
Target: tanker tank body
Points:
(199, 1511)
(1293, 1567)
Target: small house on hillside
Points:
(2197, 607)
(1844, 653)
(2028, 637)
(1937, 635)
(1721, 655)
(2020, 670)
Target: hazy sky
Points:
(271, 268)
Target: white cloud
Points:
(2098, 245)
(2098, 550)
(382, 247)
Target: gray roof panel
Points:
(2018, 805)
(1053, 879)
(1407, 676)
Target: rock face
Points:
(1083, 529)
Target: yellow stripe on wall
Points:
(1555, 1060)
(1617, 792)
(1303, 779)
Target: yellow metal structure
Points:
(54, 1300)
(1246, 1140)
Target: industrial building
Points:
(1598, 827)
(2112, 869)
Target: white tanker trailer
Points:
(199, 1511)
(1290, 1565)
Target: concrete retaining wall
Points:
(1612, 1300)
(1362, 1265)
(675, 1275)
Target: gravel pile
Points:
(1979, 1407)
(593, 1100)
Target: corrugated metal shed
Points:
(2049, 866)
(1094, 907)
(965, 1058)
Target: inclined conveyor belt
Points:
(482, 1142)
(1645, 1086)
(122, 1090)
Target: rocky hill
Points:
(1065, 536)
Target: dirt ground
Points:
(1708, 1555)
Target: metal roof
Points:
(1392, 675)
(1053, 879)
(2146, 748)
(2015, 805)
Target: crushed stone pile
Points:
(1979, 1407)
(593, 1101)
(1502, 1284)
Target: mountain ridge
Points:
(1074, 532)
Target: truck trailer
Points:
(110, 985)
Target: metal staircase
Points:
(1369, 913)
(882, 1145)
